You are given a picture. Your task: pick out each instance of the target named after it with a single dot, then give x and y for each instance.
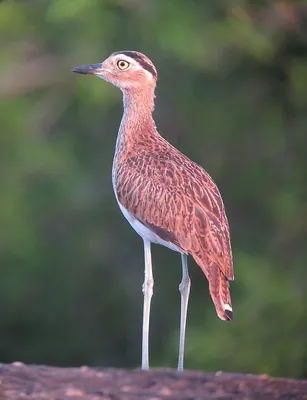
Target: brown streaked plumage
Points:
(177, 199)
(166, 197)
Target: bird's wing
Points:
(178, 200)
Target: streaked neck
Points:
(138, 106)
(137, 125)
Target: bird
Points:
(167, 198)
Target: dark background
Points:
(232, 95)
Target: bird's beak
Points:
(92, 69)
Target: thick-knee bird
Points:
(167, 198)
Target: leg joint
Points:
(148, 285)
(185, 284)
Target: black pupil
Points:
(122, 64)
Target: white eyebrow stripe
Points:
(123, 57)
(134, 62)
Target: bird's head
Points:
(124, 69)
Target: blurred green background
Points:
(232, 95)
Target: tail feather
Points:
(220, 293)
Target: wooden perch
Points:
(19, 381)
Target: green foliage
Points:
(231, 95)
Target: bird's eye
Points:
(122, 64)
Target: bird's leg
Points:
(147, 291)
(184, 288)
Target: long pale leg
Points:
(147, 291)
(184, 288)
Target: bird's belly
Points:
(146, 233)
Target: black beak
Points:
(92, 69)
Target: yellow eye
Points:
(122, 64)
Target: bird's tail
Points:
(220, 293)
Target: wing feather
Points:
(180, 202)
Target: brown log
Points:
(19, 381)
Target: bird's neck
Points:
(137, 125)
(138, 107)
